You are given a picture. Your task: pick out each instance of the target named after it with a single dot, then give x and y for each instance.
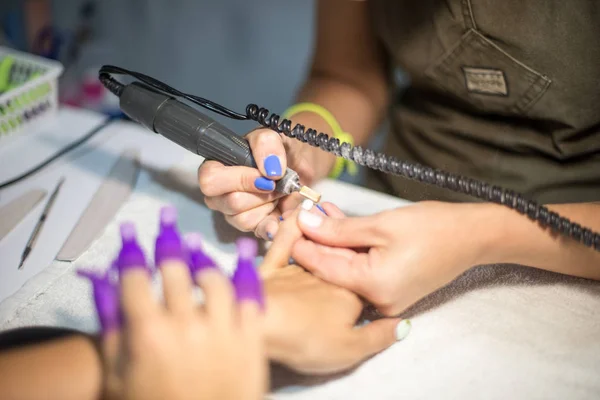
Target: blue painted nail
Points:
(321, 208)
(270, 236)
(263, 183)
(272, 165)
(281, 218)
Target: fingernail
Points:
(105, 298)
(168, 244)
(198, 260)
(291, 261)
(307, 204)
(309, 219)
(320, 208)
(281, 218)
(245, 279)
(263, 183)
(270, 236)
(403, 329)
(272, 165)
(131, 254)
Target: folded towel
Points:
(497, 332)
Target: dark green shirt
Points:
(504, 91)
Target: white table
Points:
(495, 333)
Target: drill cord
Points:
(379, 161)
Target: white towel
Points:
(497, 332)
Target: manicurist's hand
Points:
(246, 196)
(393, 258)
(310, 325)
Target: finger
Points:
(280, 250)
(237, 202)
(137, 300)
(269, 153)
(268, 227)
(169, 257)
(375, 337)
(341, 267)
(342, 232)
(247, 221)
(219, 297)
(250, 320)
(110, 345)
(177, 288)
(247, 283)
(106, 300)
(332, 210)
(216, 179)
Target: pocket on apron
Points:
(478, 72)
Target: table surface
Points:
(496, 332)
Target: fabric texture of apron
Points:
(503, 91)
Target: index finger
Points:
(137, 300)
(280, 250)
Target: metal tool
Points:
(13, 213)
(198, 133)
(38, 227)
(107, 200)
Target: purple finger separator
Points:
(246, 281)
(168, 245)
(106, 299)
(131, 255)
(197, 259)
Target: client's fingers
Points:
(280, 250)
(219, 297)
(137, 300)
(169, 257)
(374, 337)
(177, 288)
(247, 283)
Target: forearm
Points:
(511, 238)
(354, 110)
(62, 369)
(347, 76)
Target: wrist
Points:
(489, 226)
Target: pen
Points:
(40, 223)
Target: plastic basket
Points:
(28, 92)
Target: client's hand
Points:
(310, 324)
(177, 349)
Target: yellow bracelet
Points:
(338, 133)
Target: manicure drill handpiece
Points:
(198, 133)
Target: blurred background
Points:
(233, 52)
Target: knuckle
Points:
(206, 181)
(234, 201)
(211, 203)
(242, 222)
(267, 138)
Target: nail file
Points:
(14, 212)
(111, 195)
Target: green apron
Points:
(503, 91)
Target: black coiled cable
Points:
(424, 174)
(371, 159)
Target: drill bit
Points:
(310, 194)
